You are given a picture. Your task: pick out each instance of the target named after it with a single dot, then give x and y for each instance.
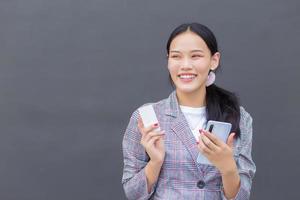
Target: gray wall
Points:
(72, 72)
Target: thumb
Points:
(230, 140)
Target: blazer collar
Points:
(172, 107)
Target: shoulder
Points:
(245, 125)
(245, 116)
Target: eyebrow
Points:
(198, 50)
(195, 50)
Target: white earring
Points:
(210, 78)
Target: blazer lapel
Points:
(181, 128)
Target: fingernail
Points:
(156, 124)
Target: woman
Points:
(163, 164)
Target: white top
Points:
(196, 118)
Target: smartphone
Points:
(219, 129)
(148, 116)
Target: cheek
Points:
(173, 68)
(202, 66)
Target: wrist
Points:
(152, 171)
(230, 169)
(156, 163)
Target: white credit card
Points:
(148, 116)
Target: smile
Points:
(187, 77)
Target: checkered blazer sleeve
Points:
(245, 164)
(135, 159)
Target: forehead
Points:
(188, 41)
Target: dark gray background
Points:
(72, 72)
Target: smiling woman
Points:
(163, 164)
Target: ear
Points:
(215, 60)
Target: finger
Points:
(143, 129)
(154, 139)
(140, 122)
(153, 134)
(230, 140)
(147, 137)
(150, 128)
(203, 148)
(140, 125)
(209, 143)
(212, 137)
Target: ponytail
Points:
(222, 105)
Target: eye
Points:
(174, 56)
(197, 56)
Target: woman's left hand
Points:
(220, 154)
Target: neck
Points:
(193, 99)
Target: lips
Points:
(187, 77)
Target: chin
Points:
(187, 89)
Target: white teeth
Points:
(187, 76)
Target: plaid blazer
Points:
(181, 177)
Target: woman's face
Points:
(189, 62)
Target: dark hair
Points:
(221, 105)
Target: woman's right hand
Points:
(152, 141)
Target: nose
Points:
(186, 64)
